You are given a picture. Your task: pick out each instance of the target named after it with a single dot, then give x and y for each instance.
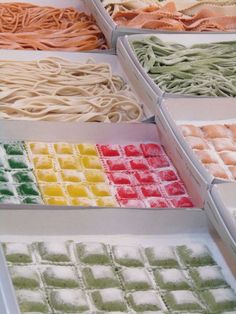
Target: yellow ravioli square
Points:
(92, 162)
(86, 202)
(107, 202)
(87, 149)
(39, 148)
(69, 162)
(63, 148)
(59, 201)
(72, 176)
(43, 162)
(101, 190)
(77, 190)
(46, 176)
(95, 176)
(52, 190)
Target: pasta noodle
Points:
(27, 26)
(55, 89)
(199, 70)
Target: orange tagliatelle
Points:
(27, 26)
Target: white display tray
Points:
(117, 67)
(99, 133)
(221, 209)
(165, 232)
(190, 110)
(136, 70)
(112, 31)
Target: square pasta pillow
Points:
(145, 301)
(32, 301)
(53, 252)
(207, 277)
(163, 256)
(93, 253)
(99, 277)
(68, 301)
(25, 277)
(127, 256)
(220, 299)
(17, 253)
(195, 255)
(136, 279)
(172, 279)
(109, 300)
(183, 300)
(60, 276)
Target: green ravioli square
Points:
(28, 189)
(54, 252)
(6, 189)
(93, 253)
(68, 301)
(99, 277)
(32, 301)
(145, 301)
(4, 176)
(17, 253)
(109, 300)
(32, 200)
(23, 176)
(184, 300)
(220, 299)
(207, 277)
(24, 277)
(127, 256)
(60, 277)
(14, 149)
(171, 279)
(18, 162)
(162, 256)
(195, 255)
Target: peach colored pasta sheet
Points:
(167, 17)
(28, 26)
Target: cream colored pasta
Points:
(57, 89)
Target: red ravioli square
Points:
(116, 164)
(132, 203)
(144, 177)
(182, 202)
(120, 178)
(139, 164)
(150, 191)
(158, 162)
(127, 192)
(175, 188)
(155, 202)
(109, 150)
(132, 151)
(168, 175)
(151, 150)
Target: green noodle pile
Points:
(200, 70)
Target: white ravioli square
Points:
(183, 300)
(25, 277)
(221, 299)
(99, 277)
(171, 279)
(32, 301)
(145, 301)
(109, 300)
(128, 256)
(93, 253)
(60, 276)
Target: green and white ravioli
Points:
(136, 279)
(220, 299)
(172, 279)
(54, 252)
(127, 256)
(145, 301)
(32, 301)
(60, 277)
(17, 253)
(109, 300)
(24, 277)
(93, 253)
(163, 256)
(99, 277)
(207, 277)
(68, 301)
(195, 255)
(183, 300)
